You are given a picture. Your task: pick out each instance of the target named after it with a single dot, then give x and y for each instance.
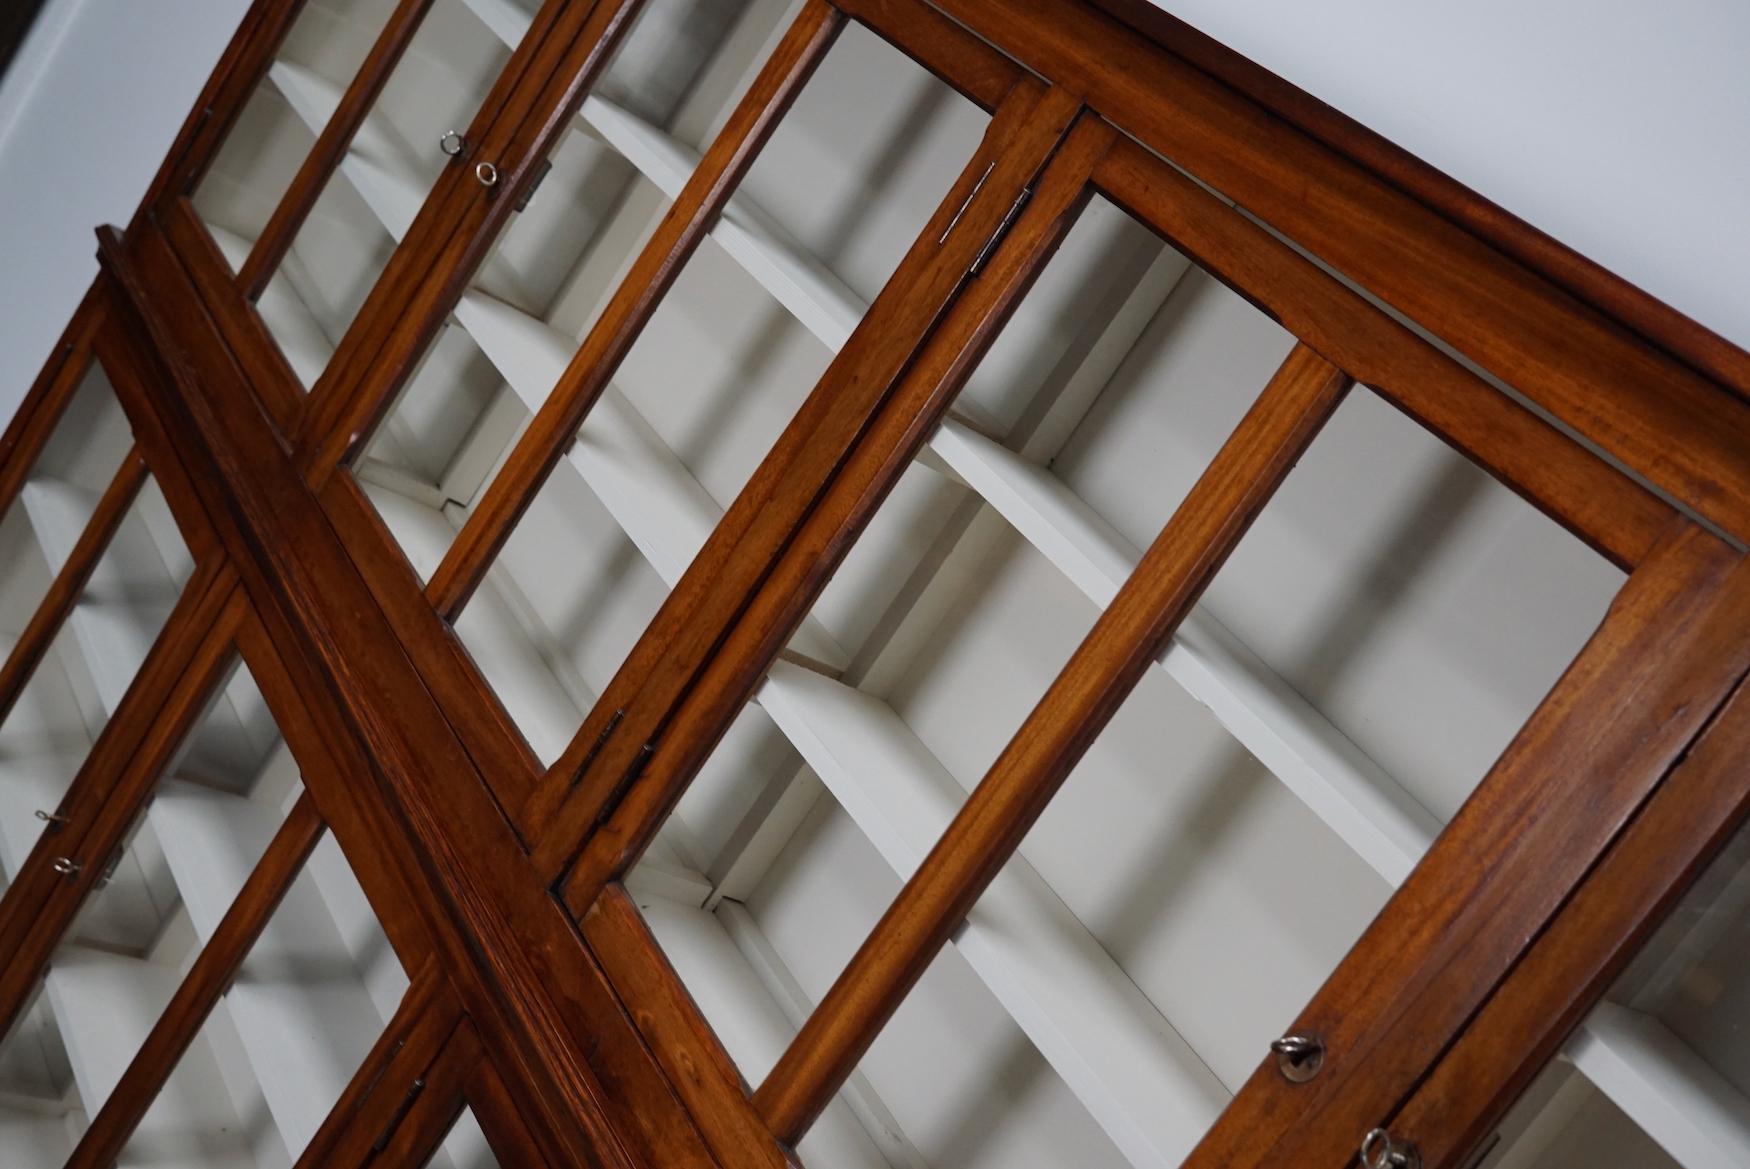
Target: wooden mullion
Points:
(331, 146)
(1653, 413)
(131, 367)
(1700, 347)
(545, 1012)
(841, 511)
(415, 1135)
(554, 427)
(69, 583)
(1616, 516)
(518, 124)
(185, 665)
(214, 968)
(1018, 143)
(234, 78)
(1133, 630)
(39, 412)
(491, 735)
(1692, 815)
(426, 1019)
(682, 1041)
(1669, 651)
(502, 1124)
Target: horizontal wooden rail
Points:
(1129, 635)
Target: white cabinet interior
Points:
(321, 981)
(1389, 622)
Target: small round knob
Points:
(66, 866)
(1299, 1057)
(452, 143)
(486, 173)
(1379, 1150)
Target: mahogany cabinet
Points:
(877, 583)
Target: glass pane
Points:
(1106, 996)
(465, 1147)
(325, 46)
(316, 989)
(365, 207)
(1658, 1076)
(94, 656)
(751, 323)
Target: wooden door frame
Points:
(498, 877)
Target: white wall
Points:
(1620, 127)
(87, 111)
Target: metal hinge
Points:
(990, 246)
(595, 748)
(534, 184)
(633, 771)
(399, 1115)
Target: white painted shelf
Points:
(106, 1004)
(1131, 1069)
(1112, 372)
(1676, 1097)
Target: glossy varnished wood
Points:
(330, 147)
(1695, 811)
(464, 864)
(1129, 635)
(1664, 659)
(764, 517)
(1656, 415)
(691, 216)
(539, 998)
(1605, 508)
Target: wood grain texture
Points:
(1667, 653)
(378, 1090)
(554, 427)
(496, 1113)
(518, 124)
(416, 1132)
(538, 998)
(331, 146)
(1656, 415)
(1614, 515)
(1611, 916)
(781, 492)
(511, 951)
(682, 1041)
(846, 505)
(214, 968)
(1132, 631)
(182, 670)
(1710, 354)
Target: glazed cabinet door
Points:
(1400, 659)
(745, 584)
(206, 949)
